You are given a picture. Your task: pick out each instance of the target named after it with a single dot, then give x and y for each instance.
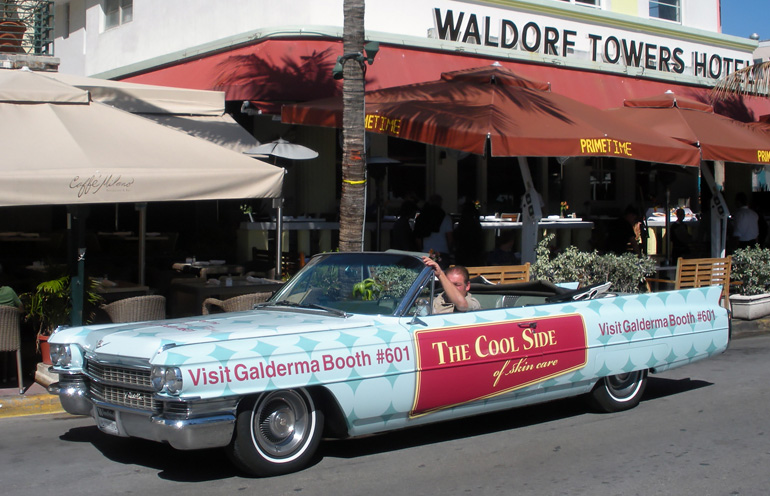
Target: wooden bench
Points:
(501, 274)
(700, 272)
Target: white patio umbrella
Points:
(283, 149)
(199, 113)
(60, 148)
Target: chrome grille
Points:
(119, 375)
(124, 397)
(200, 408)
(181, 410)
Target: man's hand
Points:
(433, 265)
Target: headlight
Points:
(173, 380)
(166, 379)
(61, 355)
(157, 377)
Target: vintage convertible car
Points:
(348, 347)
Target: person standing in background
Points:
(625, 233)
(680, 236)
(434, 227)
(469, 238)
(745, 223)
(402, 235)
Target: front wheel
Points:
(620, 392)
(276, 433)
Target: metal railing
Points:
(26, 27)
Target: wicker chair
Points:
(137, 309)
(235, 304)
(10, 338)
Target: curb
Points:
(32, 403)
(744, 328)
(21, 406)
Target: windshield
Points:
(357, 283)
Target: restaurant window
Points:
(117, 12)
(669, 10)
(602, 181)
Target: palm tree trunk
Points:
(352, 203)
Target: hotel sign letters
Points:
(531, 36)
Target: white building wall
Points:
(701, 14)
(762, 52)
(161, 28)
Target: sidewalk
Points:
(36, 400)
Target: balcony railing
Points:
(26, 27)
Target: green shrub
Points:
(626, 272)
(395, 281)
(751, 266)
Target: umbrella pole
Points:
(278, 204)
(531, 214)
(379, 226)
(142, 208)
(719, 214)
(76, 221)
(668, 226)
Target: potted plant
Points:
(246, 209)
(50, 305)
(751, 269)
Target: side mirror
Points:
(422, 307)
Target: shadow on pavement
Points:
(172, 464)
(494, 422)
(213, 464)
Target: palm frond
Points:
(752, 80)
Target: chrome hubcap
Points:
(623, 386)
(281, 423)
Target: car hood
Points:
(146, 339)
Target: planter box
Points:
(750, 307)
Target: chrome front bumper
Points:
(212, 431)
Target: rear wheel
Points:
(276, 433)
(620, 392)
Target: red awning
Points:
(276, 71)
(718, 137)
(493, 107)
